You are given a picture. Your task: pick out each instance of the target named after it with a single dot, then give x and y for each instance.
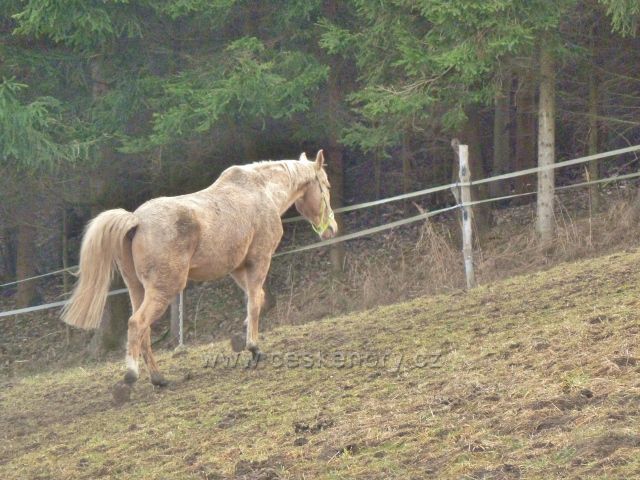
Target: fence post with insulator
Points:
(467, 215)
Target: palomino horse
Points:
(232, 227)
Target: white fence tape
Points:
(565, 187)
(388, 226)
(48, 274)
(553, 166)
(368, 231)
(372, 203)
(528, 171)
(46, 306)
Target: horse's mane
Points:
(298, 171)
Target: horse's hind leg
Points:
(136, 292)
(154, 372)
(240, 277)
(256, 275)
(152, 308)
(239, 340)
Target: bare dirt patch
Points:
(601, 447)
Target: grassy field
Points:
(534, 377)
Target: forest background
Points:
(108, 103)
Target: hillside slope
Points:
(534, 377)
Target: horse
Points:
(232, 227)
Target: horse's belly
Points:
(213, 260)
(200, 274)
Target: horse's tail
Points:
(102, 247)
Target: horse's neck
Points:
(289, 185)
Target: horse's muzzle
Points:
(330, 231)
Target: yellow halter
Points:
(325, 221)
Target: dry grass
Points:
(426, 259)
(397, 266)
(532, 377)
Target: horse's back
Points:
(168, 218)
(239, 178)
(208, 232)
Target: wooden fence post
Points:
(467, 215)
(181, 319)
(177, 319)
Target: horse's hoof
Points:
(158, 380)
(130, 377)
(238, 342)
(256, 356)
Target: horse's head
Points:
(315, 203)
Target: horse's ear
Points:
(319, 160)
(303, 157)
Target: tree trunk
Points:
(9, 251)
(546, 147)
(113, 327)
(471, 137)
(405, 154)
(250, 147)
(335, 171)
(65, 262)
(592, 140)
(525, 130)
(377, 173)
(501, 135)
(26, 262)
(335, 162)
